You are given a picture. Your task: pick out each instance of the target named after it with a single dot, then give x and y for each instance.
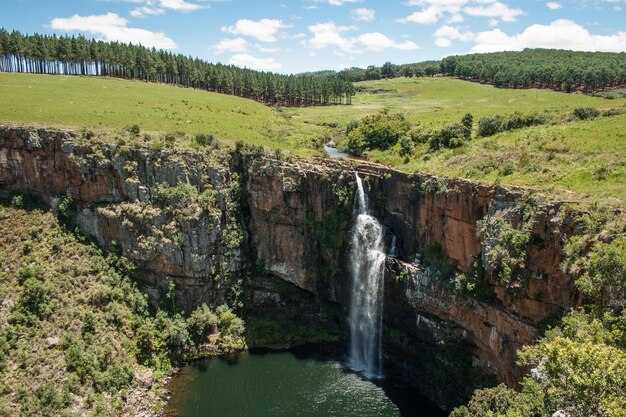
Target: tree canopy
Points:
(77, 55)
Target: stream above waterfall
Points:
(301, 383)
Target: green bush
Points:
(605, 280)
(378, 131)
(585, 113)
(201, 323)
(204, 140)
(35, 300)
(491, 124)
(450, 136)
(134, 130)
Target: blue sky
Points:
(310, 35)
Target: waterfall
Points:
(393, 250)
(367, 261)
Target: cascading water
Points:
(393, 250)
(367, 261)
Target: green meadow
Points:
(582, 160)
(111, 103)
(579, 159)
(439, 100)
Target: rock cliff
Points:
(209, 221)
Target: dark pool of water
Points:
(288, 384)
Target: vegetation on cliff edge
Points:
(77, 336)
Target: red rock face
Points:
(296, 226)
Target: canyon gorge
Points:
(272, 236)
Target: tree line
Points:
(77, 55)
(554, 69)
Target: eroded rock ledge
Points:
(291, 220)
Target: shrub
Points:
(204, 140)
(406, 146)
(490, 125)
(202, 322)
(17, 201)
(468, 124)
(353, 124)
(169, 140)
(378, 131)
(605, 280)
(450, 136)
(134, 130)
(66, 208)
(35, 299)
(585, 113)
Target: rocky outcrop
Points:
(209, 221)
(164, 210)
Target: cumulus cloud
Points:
(446, 34)
(553, 5)
(264, 30)
(366, 15)
(331, 35)
(252, 62)
(376, 41)
(157, 7)
(433, 10)
(180, 5)
(230, 45)
(336, 2)
(146, 10)
(495, 10)
(562, 34)
(112, 27)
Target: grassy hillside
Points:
(586, 157)
(109, 103)
(439, 100)
(582, 157)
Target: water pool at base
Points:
(287, 384)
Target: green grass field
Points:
(109, 103)
(586, 158)
(436, 101)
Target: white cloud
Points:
(264, 30)
(336, 2)
(553, 5)
(366, 15)
(495, 10)
(111, 27)
(443, 42)
(376, 41)
(249, 61)
(146, 10)
(331, 35)
(446, 34)
(180, 5)
(230, 45)
(433, 10)
(427, 16)
(155, 7)
(562, 34)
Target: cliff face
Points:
(166, 211)
(208, 223)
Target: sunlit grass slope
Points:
(107, 103)
(440, 100)
(586, 157)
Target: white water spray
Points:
(367, 261)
